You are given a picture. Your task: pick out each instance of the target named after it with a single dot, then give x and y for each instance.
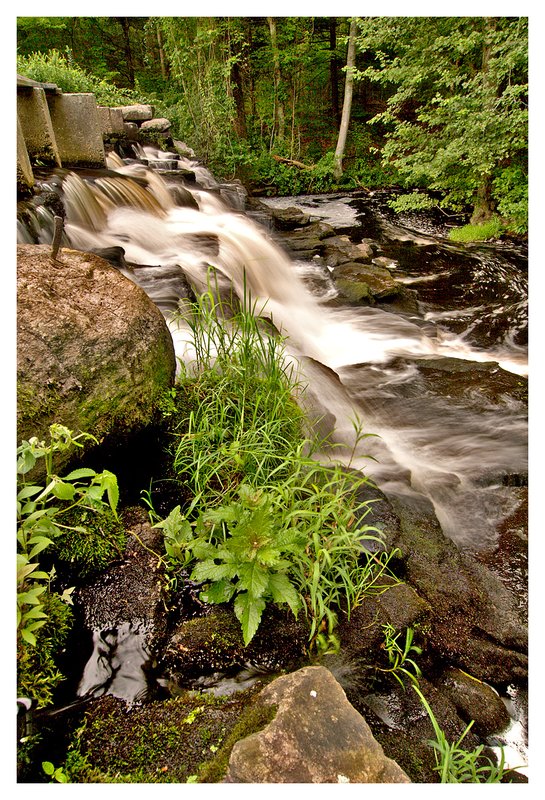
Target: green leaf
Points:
(64, 491)
(210, 571)
(283, 591)
(82, 472)
(28, 491)
(28, 637)
(219, 592)
(248, 610)
(40, 545)
(48, 767)
(253, 578)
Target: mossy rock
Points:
(93, 351)
(184, 739)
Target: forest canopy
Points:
(438, 105)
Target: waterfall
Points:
(172, 233)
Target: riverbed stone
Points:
(139, 112)
(159, 124)
(361, 282)
(213, 643)
(94, 353)
(316, 736)
(476, 701)
(340, 250)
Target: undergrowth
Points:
(268, 523)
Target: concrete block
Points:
(36, 126)
(77, 129)
(25, 176)
(111, 120)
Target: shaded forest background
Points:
(439, 105)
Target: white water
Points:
(440, 447)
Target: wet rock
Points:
(340, 250)
(316, 736)
(214, 643)
(307, 242)
(287, 219)
(94, 352)
(475, 624)
(476, 701)
(459, 378)
(359, 282)
(401, 725)
(161, 742)
(183, 149)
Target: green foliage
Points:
(60, 69)
(57, 774)
(268, 522)
(457, 111)
(456, 765)
(400, 664)
(492, 229)
(415, 201)
(37, 672)
(41, 515)
(237, 420)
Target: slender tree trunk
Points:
(279, 116)
(347, 103)
(124, 22)
(164, 72)
(483, 207)
(334, 71)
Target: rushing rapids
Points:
(455, 450)
(401, 372)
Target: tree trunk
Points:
(164, 73)
(124, 22)
(347, 103)
(483, 207)
(279, 116)
(334, 71)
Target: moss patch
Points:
(162, 742)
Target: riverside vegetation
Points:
(261, 520)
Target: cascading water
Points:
(453, 450)
(450, 442)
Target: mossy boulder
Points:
(365, 282)
(93, 351)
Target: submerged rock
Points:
(316, 736)
(93, 351)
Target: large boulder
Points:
(316, 736)
(93, 351)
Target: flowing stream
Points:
(411, 378)
(457, 448)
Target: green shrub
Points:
(41, 514)
(477, 233)
(60, 69)
(268, 522)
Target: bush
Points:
(268, 522)
(60, 69)
(492, 229)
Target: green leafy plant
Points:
(55, 773)
(477, 233)
(41, 514)
(455, 764)
(401, 665)
(235, 419)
